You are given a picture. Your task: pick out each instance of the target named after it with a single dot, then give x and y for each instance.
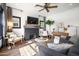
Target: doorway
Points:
(1, 26)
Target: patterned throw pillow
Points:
(56, 40)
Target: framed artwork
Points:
(42, 20)
(16, 22)
(42, 24)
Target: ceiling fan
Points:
(46, 6)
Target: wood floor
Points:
(14, 51)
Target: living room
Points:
(50, 28)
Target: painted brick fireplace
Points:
(31, 33)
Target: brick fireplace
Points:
(31, 32)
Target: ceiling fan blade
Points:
(39, 5)
(52, 6)
(41, 9)
(47, 10)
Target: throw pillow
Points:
(74, 39)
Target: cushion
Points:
(65, 40)
(74, 39)
(41, 42)
(44, 51)
(56, 40)
(63, 37)
(62, 48)
(74, 51)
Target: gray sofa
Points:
(44, 51)
(73, 51)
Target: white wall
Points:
(28, 10)
(23, 15)
(69, 17)
(19, 31)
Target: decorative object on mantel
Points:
(16, 22)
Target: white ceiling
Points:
(30, 8)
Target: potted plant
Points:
(49, 22)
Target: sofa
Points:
(72, 51)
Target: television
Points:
(32, 20)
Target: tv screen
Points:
(32, 20)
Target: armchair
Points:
(13, 37)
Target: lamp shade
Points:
(9, 26)
(9, 23)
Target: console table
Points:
(60, 34)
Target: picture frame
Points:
(16, 22)
(42, 24)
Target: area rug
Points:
(28, 50)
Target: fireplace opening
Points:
(32, 36)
